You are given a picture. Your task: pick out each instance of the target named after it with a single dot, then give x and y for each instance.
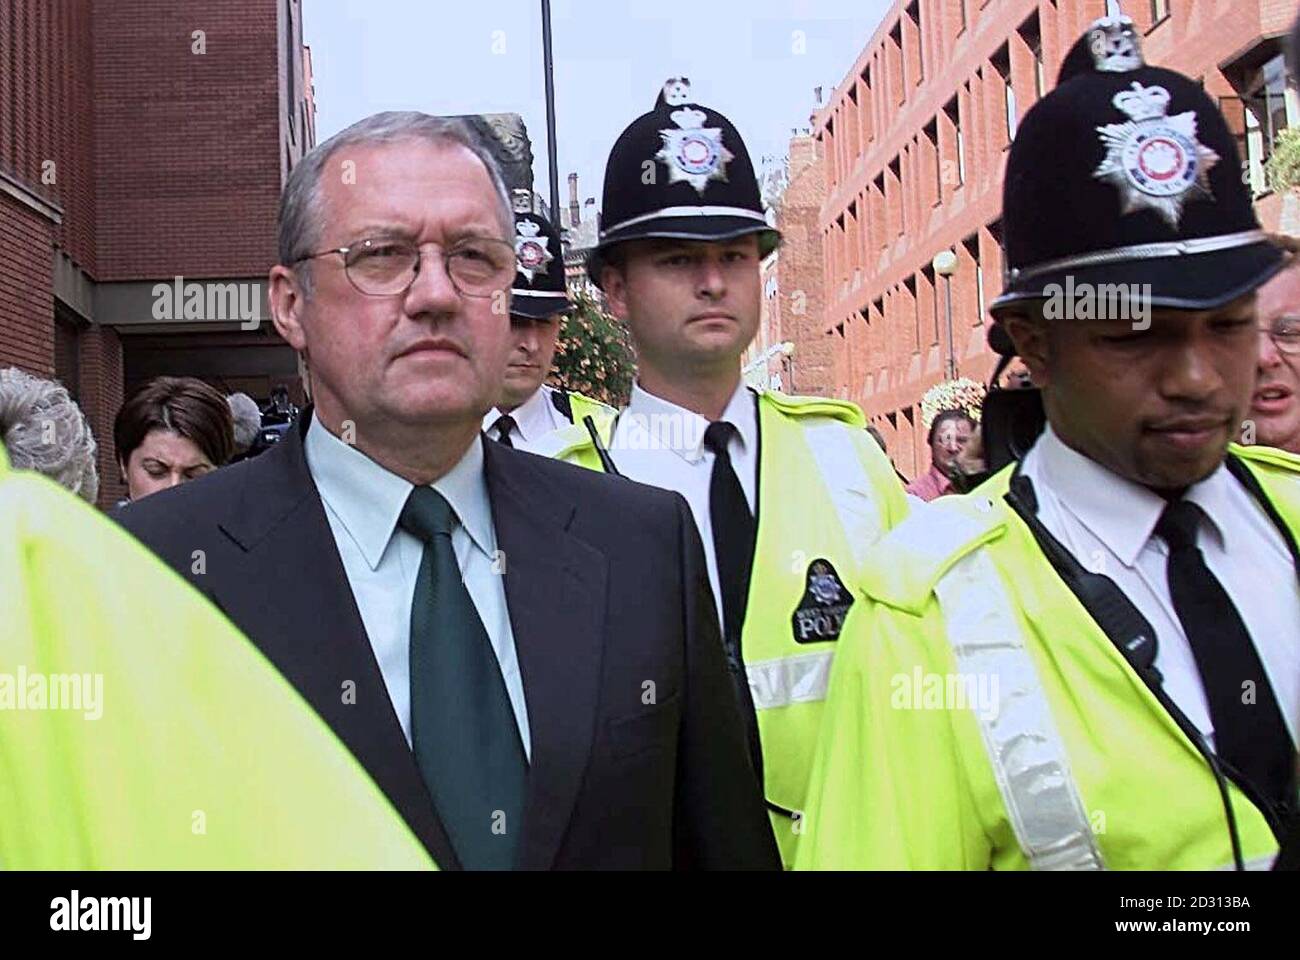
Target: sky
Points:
(755, 61)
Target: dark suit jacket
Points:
(607, 592)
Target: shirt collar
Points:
(368, 499)
(1119, 512)
(739, 412)
(532, 417)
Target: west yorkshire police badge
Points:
(693, 152)
(826, 601)
(1155, 160)
(531, 251)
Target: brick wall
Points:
(26, 293)
(800, 271)
(188, 169)
(101, 396)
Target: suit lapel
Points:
(556, 593)
(295, 592)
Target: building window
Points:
(972, 245)
(1032, 35)
(1001, 62)
(961, 6)
(953, 112)
(913, 14)
(896, 48)
(896, 187)
(1159, 10)
(1269, 107)
(931, 133)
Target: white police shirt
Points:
(363, 502)
(534, 419)
(662, 444)
(1107, 522)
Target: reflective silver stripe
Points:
(1144, 251)
(786, 680)
(687, 212)
(836, 455)
(515, 292)
(1024, 747)
(1259, 863)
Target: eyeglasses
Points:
(386, 267)
(1285, 334)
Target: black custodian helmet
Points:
(1127, 174)
(680, 171)
(539, 290)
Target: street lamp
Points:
(548, 66)
(945, 265)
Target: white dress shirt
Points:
(363, 502)
(662, 444)
(1107, 522)
(534, 419)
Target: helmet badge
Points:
(531, 250)
(693, 152)
(1154, 160)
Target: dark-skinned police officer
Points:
(532, 415)
(789, 493)
(1091, 660)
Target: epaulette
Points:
(901, 570)
(844, 410)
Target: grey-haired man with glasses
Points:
(522, 654)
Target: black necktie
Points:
(504, 425)
(734, 533)
(1249, 732)
(463, 729)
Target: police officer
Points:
(789, 493)
(530, 412)
(1090, 662)
(183, 724)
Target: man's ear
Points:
(284, 293)
(1029, 334)
(613, 281)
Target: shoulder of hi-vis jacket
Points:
(1268, 457)
(909, 560)
(843, 410)
(151, 733)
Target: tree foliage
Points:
(594, 355)
(1283, 167)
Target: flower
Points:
(961, 394)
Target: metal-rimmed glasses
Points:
(1285, 334)
(387, 266)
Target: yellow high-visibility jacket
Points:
(140, 730)
(978, 717)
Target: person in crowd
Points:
(169, 431)
(44, 430)
(1091, 662)
(950, 432)
(530, 414)
(521, 652)
(1275, 405)
(246, 419)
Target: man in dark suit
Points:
(521, 653)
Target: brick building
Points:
(915, 140)
(141, 142)
(793, 286)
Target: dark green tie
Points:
(463, 729)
